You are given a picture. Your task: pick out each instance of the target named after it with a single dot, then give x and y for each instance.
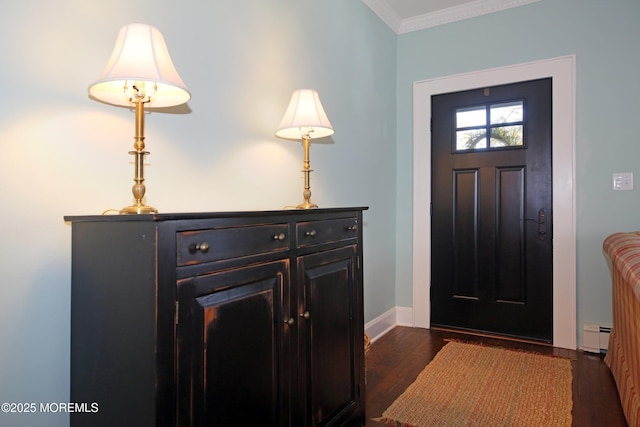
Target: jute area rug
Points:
(475, 385)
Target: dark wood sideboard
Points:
(218, 319)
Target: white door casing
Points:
(562, 72)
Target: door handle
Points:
(542, 224)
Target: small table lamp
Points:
(139, 72)
(305, 119)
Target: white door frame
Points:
(562, 71)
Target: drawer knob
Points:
(199, 247)
(310, 233)
(280, 237)
(353, 228)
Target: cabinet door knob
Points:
(306, 315)
(290, 321)
(199, 247)
(280, 237)
(310, 233)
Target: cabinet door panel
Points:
(231, 345)
(331, 371)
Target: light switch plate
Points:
(622, 181)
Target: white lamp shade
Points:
(140, 55)
(304, 115)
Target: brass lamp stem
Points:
(138, 188)
(306, 170)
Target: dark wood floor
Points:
(395, 360)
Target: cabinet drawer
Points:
(194, 247)
(311, 233)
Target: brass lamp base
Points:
(307, 205)
(138, 153)
(138, 209)
(306, 170)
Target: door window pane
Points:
(471, 139)
(511, 112)
(471, 116)
(506, 136)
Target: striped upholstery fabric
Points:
(623, 356)
(624, 252)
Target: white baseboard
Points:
(396, 316)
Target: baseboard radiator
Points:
(595, 338)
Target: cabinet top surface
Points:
(208, 215)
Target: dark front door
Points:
(491, 210)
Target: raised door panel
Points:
(330, 357)
(233, 347)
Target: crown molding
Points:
(444, 16)
(386, 13)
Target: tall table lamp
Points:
(305, 119)
(139, 72)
